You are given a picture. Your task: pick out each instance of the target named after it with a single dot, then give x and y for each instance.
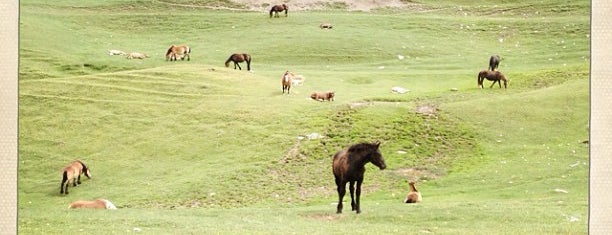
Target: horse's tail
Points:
(228, 61)
(479, 79)
(64, 179)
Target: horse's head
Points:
(376, 157)
(85, 170)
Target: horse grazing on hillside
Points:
(278, 8)
(239, 58)
(174, 51)
(349, 166)
(495, 76)
(494, 62)
(286, 82)
(97, 204)
(414, 195)
(72, 173)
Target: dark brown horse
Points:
(286, 81)
(349, 167)
(278, 8)
(494, 62)
(239, 58)
(72, 173)
(495, 76)
(174, 51)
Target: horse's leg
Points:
(249, 65)
(358, 192)
(352, 188)
(238, 64)
(78, 180)
(493, 83)
(341, 191)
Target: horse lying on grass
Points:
(137, 55)
(323, 96)
(72, 174)
(116, 52)
(97, 204)
(414, 195)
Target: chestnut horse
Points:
(97, 204)
(494, 62)
(323, 96)
(286, 82)
(414, 195)
(494, 76)
(349, 166)
(174, 51)
(239, 58)
(73, 173)
(278, 8)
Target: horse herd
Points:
(348, 164)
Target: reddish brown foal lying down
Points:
(414, 195)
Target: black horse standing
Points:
(349, 166)
(494, 62)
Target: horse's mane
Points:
(82, 164)
(169, 50)
(359, 149)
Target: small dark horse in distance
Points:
(278, 8)
(495, 76)
(239, 58)
(494, 62)
(72, 173)
(349, 166)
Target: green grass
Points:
(192, 147)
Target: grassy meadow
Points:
(193, 147)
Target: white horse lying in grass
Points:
(116, 52)
(137, 55)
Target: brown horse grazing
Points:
(414, 195)
(97, 204)
(494, 76)
(174, 51)
(286, 82)
(239, 58)
(494, 62)
(323, 96)
(278, 8)
(73, 173)
(349, 167)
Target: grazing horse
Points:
(97, 204)
(72, 173)
(349, 166)
(182, 51)
(286, 82)
(494, 76)
(323, 96)
(239, 58)
(494, 62)
(414, 195)
(278, 8)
